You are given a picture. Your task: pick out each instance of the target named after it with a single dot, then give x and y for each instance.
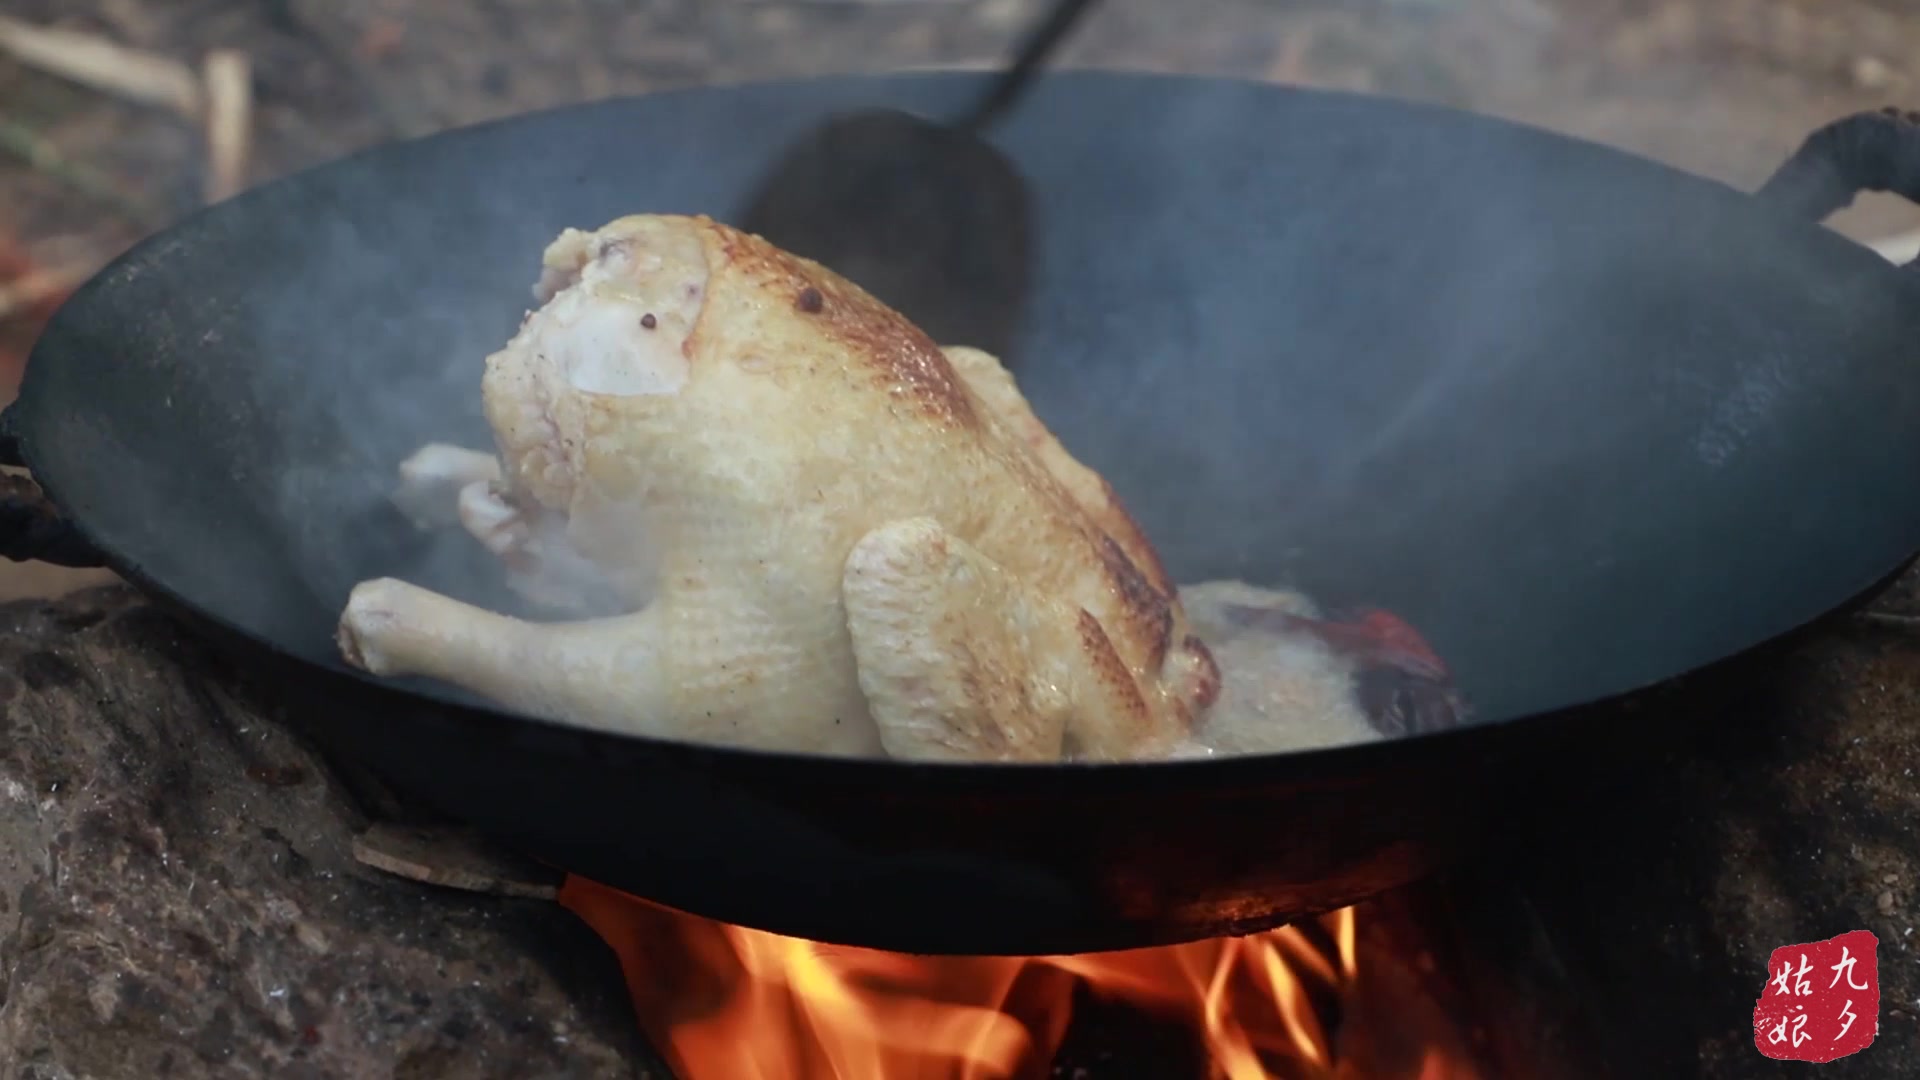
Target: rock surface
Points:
(179, 893)
(179, 898)
(1646, 885)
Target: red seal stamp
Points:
(1821, 1000)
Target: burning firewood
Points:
(724, 1001)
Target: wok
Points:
(1591, 423)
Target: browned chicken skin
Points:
(829, 534)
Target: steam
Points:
(1383, 355)
(1411, 359)
(404, 369)
(398, 273)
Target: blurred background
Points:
(120, 116)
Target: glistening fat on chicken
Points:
(824, 534)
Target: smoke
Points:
(394, 275)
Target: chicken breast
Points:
(824, 533)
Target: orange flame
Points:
(726, 1003)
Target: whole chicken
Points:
(823, 532)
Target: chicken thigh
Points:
(823, 532)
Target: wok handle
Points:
(1869, 151)
(10, 455)
(31, 529)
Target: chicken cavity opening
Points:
(617, 308)
(618, 315)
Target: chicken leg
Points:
(605, 673)
(443, 485)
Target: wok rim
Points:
(1330, 765)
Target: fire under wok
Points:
(1590, 423)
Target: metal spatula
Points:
(925, 214)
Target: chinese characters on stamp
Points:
(1821, 1000)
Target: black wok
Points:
(1589, 422)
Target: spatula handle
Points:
(1027, 63)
